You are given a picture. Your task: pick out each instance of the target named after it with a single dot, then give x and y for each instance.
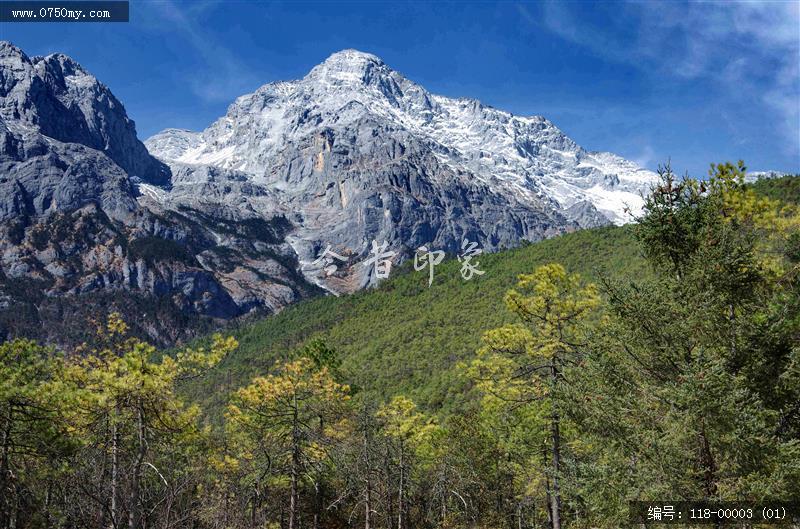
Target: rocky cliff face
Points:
(78, 240)
(55, 97)
(211, 225)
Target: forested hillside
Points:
(406, 337)
(657, 362)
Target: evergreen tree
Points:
(687, 393)
(284, 422)
(409, 433)
(34, 433)
(137, 435)
(523, 364)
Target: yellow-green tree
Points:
(284, 422)
(138, 436)
(411, 432)
(521, 364)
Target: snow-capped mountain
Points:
(527, 157)
(754, 176)
(357, 152)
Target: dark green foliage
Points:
(71, 226)
(689, 390)
(153, 318)
(320, 354)
(16, 230)
(792, 249)
(272, 231)
(668, 230)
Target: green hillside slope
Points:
(405, 337)
(786, 188)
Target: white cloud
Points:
(750, 49)
(646, 158)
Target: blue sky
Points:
(697, 82)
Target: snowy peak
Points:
(353, 94)
(351, 76)
(172, 144)
(754, 176)
(65, 65)
(13, 61)
(348, 66)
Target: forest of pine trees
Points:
(682, 385)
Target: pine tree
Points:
(34, 432)
(687, 392)
(283, 423)
(136, 431)
(410, 433)
(522, 364)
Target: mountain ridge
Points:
(76, 242)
